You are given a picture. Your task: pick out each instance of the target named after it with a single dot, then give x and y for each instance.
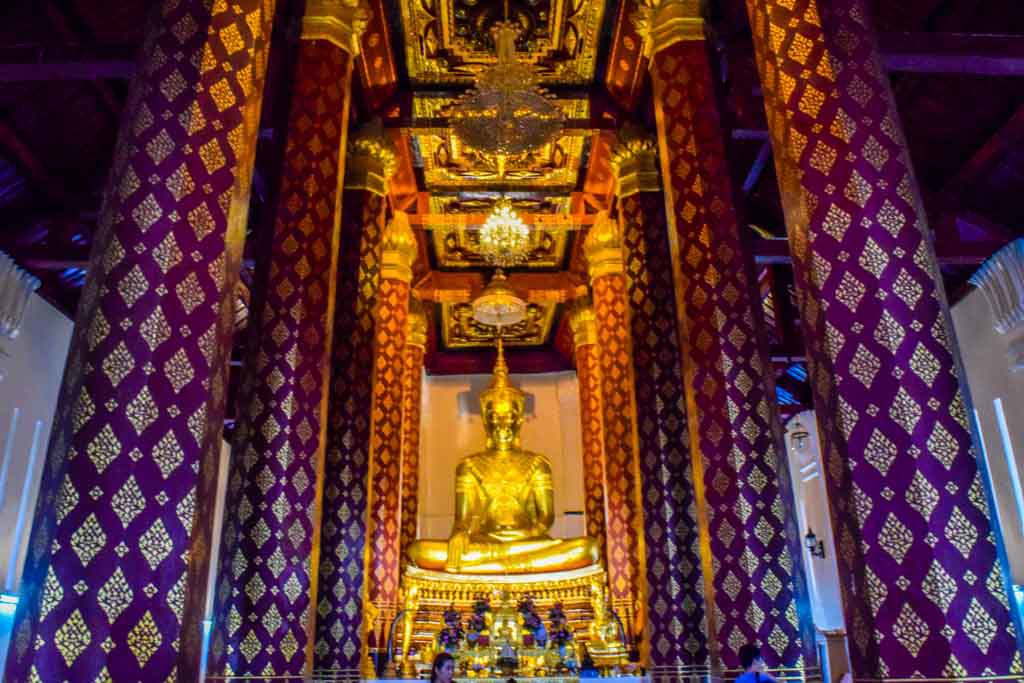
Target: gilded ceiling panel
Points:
(449, 41)
(448, 165)
(460, 331)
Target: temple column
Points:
(624, 545)
(398, 252)
(675, 602)
(588, 371)
(412, 398)
(756, 587)
(370, 162)
(265, 586)
(114, 586)
(923, 591)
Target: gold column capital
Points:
(583, 323)
(603, 247)
(634, 161)
(662, 23)
(416, 333)
(372, 159)
(340, 22)
(398, 249)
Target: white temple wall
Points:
(452, 427)
(990, 378)
(811, 499)
(28, 399)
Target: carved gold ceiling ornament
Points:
(507, 114)
(449, 41)
(450, 165)
(634, 161)
(340, 22)
(371, 160)
(661, 23)
(459, 330)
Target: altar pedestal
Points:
(440, 591)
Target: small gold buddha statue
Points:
(604, 643)
(504, 501)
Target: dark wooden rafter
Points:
(953, 53)
(65, 26)
(1009, 137)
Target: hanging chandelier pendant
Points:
(507, 114)
(504, 237)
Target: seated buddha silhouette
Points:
(504, 502)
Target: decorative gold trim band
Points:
(663, 23)
(340, 22)
(372, 160)
(603, 247)
(583, 323)
(398, 249)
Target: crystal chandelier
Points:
(504, 238)
(507, 114)
(498, 305)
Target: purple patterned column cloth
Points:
(412, 398)
(115, 578)
(922, 590)
(677, 632)
(339, 621)
(263, 603)
(758, 589)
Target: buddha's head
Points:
(502, 406)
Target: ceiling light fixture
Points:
(507, 114)
(504, 237)
(498, 305)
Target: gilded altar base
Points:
(437, 591)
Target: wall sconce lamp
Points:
(798, 436)
(815, 547)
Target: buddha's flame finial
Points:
(501, 394)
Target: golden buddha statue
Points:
(605, 642)
(504, 502)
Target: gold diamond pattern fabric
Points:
(115, 578)
(588, 370)
(412, 397)
(882, 358)
(676, 624)
(386, 453)
(758, 592)
(623, 545)
(339, 645)
(265, 576)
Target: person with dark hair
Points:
(443, 669)
(753, 666)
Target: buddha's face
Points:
(502, 420)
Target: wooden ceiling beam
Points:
(80, 70)
(776, 252)
(1010, 136)
(64, 26)
(953, 53)
(461, 286)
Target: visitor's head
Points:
(750, 658)
(443, 669)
